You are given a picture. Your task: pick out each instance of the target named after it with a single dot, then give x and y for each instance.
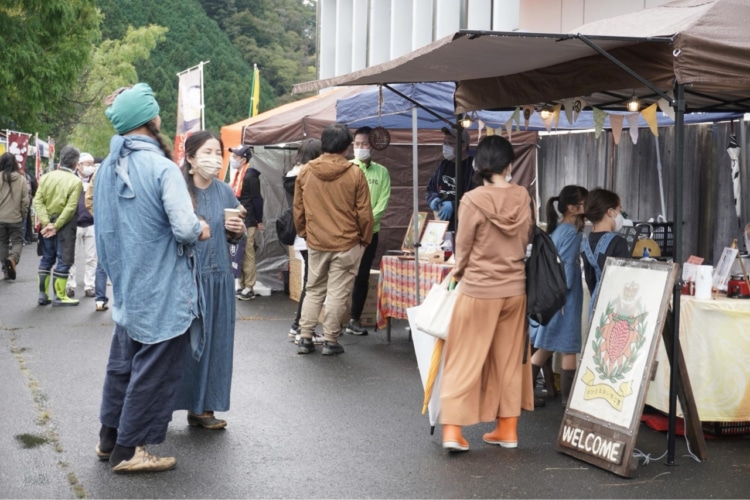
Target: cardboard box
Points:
(296, 274)
(369, 313)
(370, 309)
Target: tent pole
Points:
(415, 191)
(679, 139)
(459, 173)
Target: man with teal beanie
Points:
(145, 234)
(379, 182)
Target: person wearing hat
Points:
(146, 231)
(85, 244)
(246, 186)
(55, 204)
(441, 190)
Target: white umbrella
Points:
(424, 346)
(733, 150)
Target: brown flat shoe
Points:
(205, 421)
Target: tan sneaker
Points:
(143, 461)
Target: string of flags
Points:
(550, 117)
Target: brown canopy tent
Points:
(276, 133)
(694, 54)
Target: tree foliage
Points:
(278, 35)
(192, 37)
(57, 63)
(112, 67)
(45, 46)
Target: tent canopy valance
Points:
(701, 44)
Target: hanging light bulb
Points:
(545, 113)
(466, 121)
(634, 105)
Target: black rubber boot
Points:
(566, 383)
(538, 402)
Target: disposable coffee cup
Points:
(231, 212)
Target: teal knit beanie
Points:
(132, 108)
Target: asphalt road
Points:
(300, 426)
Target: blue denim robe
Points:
(207, 382)
(145, 235)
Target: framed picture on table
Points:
(433, 235)
(408, 244)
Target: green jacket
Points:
(57, 196)
(379, 181)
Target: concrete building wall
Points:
(354, 34)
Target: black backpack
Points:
(546, 286)
(285, 229)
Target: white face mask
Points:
(234, 163)
(618, 221)
(448, 152)
(508, 177)
(362, 154)
(207, 166)
(89, 170)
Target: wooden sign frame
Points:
(408, 243)
(434, 232)
(604, 409)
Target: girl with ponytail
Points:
(563, 333)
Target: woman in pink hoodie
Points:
(483, 374)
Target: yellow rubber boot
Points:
(43, 282)
(505, 434)
(61, 299)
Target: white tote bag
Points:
(435, 312)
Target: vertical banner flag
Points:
(51, 165)
(255, 92)
(37, 157)
(18, 144)
(42, 149)
(189, 108)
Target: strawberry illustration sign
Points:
(618, 340)
(601, 420)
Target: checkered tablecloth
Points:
(397, 289)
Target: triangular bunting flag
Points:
(568, 105)
(528, 110)
(616, 122)
(517, 118)
(509, 126)
(556, 114)
(578, 105)
(547, 118)
(599, 117)
(633, 124)
(649, 114)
